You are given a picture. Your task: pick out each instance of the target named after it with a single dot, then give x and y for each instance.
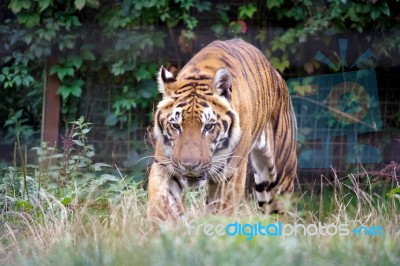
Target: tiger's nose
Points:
(190, 164)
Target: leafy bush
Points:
(66, 179)
(121, 44)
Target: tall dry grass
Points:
(120, 235)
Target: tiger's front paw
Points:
(165, 211)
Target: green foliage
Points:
(66, 178)
(124, 42)
(309, 18)
(247, 11)
(394, 193)
(75, 234)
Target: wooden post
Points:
(51, 106)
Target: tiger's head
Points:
(197, 126)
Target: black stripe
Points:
(200, 96)
(158, 119)
(226, 62)
(177, 181)
(253, 56)
(204, 104)
(173, 196)
(285, 190)
(200, 77)
(261, 187)
(273, 184)
(216, 104)
(181, 104)
(263, 202)
(225, 125)
(248, 64)
(166, 139)
(191, 84)
(187, 97)
(232, 117)
(224, 143)
(181, 91)
(205, 89)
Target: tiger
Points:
(227, 107)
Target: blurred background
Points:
(60, 60)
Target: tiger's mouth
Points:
(194, 181)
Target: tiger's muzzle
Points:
(192, 157)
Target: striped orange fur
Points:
(228, 104)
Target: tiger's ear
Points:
(164, 78)
(222, 82)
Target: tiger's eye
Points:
(208, 127)
(176, 126)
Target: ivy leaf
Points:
(43, 4)
(62, 71)
(280, 64)
(74, 89)
(79, 4)
(27, 38)
(76, 61)
(203, 6)
(224, 16)
(67, 41)
(118, 68)
(274, 3)
(375, 14)
(218, 29)
(93, 3)
(190, 21)
(64, 92)
(17, 80)
(29, 19)
(235, 27)
(17, 5)
(143, 73)
(72, 21)
(77, 87)
(87, 55)
(247, 11)
(385, 9)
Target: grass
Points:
(119, 235)
(70, 211)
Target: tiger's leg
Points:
(265, 177)
(283, 193)
(224, 197)
(265, 174)
(164, 196)
(272, 191)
